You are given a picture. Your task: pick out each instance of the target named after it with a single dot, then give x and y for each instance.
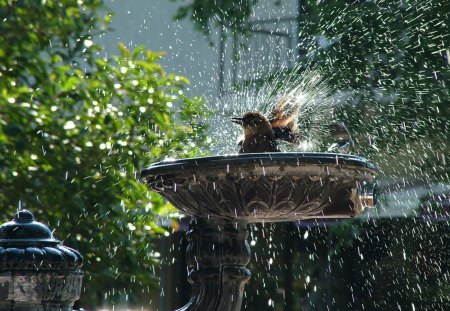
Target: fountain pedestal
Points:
(226, 193)
(217, 254)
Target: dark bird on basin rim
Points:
(342, 141)
(261, 134)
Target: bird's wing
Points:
(284, 112)
(284, 120)
(278, 111)
(285, 134)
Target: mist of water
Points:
(307, 92)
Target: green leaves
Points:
(73, 137)
(390, 59)
(204, 13)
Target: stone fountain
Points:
(226, 193)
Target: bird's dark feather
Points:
(285, 134)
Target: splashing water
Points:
(306, 93)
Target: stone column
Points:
(217, 255)
(37, 273)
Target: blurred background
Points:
(87, 100)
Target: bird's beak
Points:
(236, 120)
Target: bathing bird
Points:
(342, 141)
(261, 133)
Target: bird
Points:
(258, 133)
(261, 133)
(342, 141)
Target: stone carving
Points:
(254, 191)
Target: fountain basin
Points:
(225, 193)
(264, 187)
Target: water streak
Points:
(308, 91)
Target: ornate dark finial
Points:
(23, 216)
(23, 228)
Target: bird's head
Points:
(253, 122)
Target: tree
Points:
(204, 13)
(76, 129)
(392, 58)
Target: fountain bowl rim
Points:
(263, 159)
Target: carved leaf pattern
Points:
(256, 198)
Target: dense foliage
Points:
(75, 130)
(204, 13)
(392, 59)
(382, 264)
